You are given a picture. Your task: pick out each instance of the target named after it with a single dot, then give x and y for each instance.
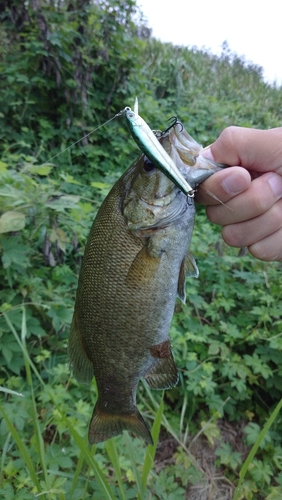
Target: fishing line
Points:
(215, 197)
(87, 135)
(116, 116)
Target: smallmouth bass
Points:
(135, 264)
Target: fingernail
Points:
(275, 182)
(235, 183)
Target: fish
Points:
(135, 265)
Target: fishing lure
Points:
(149, 144)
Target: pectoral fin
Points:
(143, 268)
(188, 269)
(191, 268)
(164, 374)
(80, 364)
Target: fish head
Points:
(151, 199)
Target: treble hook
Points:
(175, 122)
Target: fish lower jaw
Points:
(145, 232)
(161, 200)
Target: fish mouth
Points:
(186, 154)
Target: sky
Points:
(252, 28)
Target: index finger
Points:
(257, 150)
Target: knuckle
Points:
(276, 214)
(233, 236)
(260, 251)
(228, 133)
(213, 216)
(269, 248)
(260, 204)
(262, 198)
(227, 136)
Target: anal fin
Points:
(163, 374)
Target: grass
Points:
(108, 475)
(254, 449)
(37, 467)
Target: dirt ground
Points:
(213, 485)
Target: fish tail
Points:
(104, 425)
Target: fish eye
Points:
(148, 165)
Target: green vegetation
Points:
(65, 68)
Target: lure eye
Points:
(148, 165)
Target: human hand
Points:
(252, 189)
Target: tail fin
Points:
(104, 425)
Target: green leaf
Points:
(111, 448)
(14, 253)
(140, 486)
(69, 178)
(42, 170)
(62, 202)
(151, 448)
(3, 167)
(9, 391)
(12, 221)
(261, 472)
(83, 446)
(100, 185)
(276, 494)
(23, 449)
